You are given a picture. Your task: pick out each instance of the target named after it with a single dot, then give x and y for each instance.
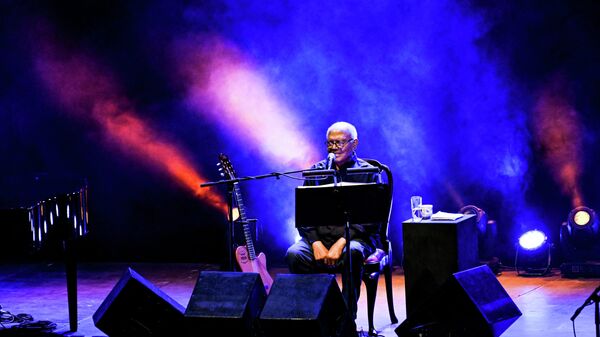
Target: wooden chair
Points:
(380, 261)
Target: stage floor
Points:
(547, 302)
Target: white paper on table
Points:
(439, 215)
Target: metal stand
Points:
(230, 229)
(349, 278)
(594, 297)
(70, 250)
(341, 205)
(58, 223)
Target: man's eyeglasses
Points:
(338, 143)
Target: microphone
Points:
(330, 158)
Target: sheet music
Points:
(439, 215)
(341, 183)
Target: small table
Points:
(433, 251)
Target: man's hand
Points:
(335, 252)
(319, 250)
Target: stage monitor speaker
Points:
(306, 305)
(471, 303)
(135, 307)
(225, 304)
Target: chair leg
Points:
(371, 286)
(387, 272)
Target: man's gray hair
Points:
(343, 126)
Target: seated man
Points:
(322, 248)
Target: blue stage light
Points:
(533, 254)
(532, 240)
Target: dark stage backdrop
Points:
(493, 105)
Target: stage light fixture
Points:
(533, 254)
(580, 244)
(580, 234)
(486, 234)
(481, 217)
(532, 240)
(581, 218)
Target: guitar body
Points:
(258, 265)
(245, 255)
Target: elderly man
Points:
(322, 249)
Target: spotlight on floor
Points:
(534, 255)
(579, 240)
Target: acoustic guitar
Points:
(245, 255)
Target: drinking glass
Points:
(415, 207)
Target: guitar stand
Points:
(230, 202)
(230, 228)
(231, 238)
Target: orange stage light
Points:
(558, 131)
(86, 90)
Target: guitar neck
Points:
(244, 220)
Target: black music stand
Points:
(341, 205)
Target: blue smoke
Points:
(410, 75)
(439, 90)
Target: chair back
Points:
(384, 229)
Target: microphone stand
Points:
(349, 282)
(594, 297)
(348, 256)
(230, 201)
(262, 176)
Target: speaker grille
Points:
(135, 307)
(304, 305)
(228, 302)
(471, 303)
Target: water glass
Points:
(415, 206)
